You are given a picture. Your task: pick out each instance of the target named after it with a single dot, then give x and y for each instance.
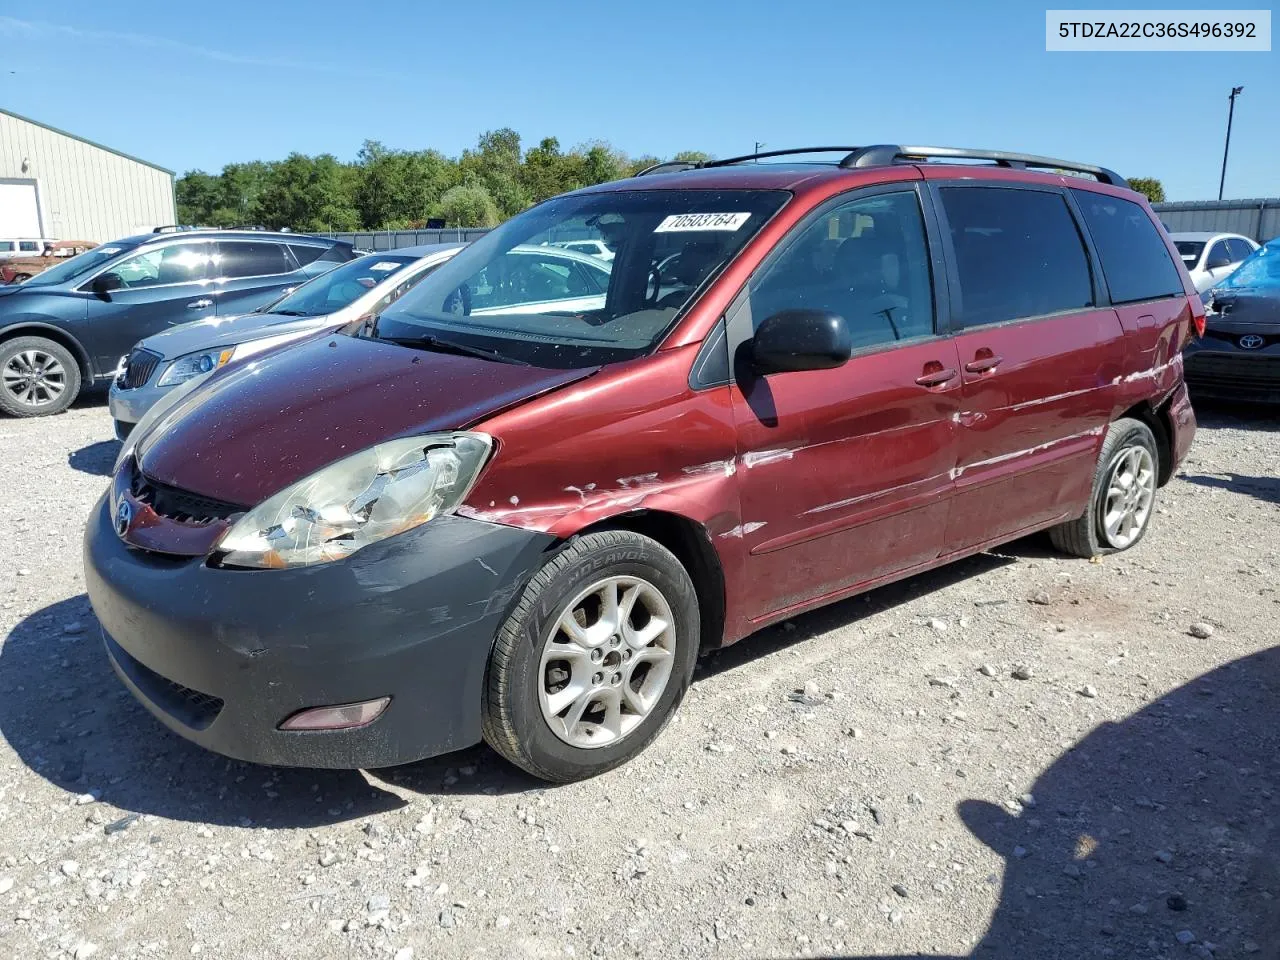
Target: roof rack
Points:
(885, 154)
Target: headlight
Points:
(206, 361)
(194, 365)
(364, 498)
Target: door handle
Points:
(981, 364)
(200, 304)
(936, 377)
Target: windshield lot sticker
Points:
(385, 265)
(680, 222)
(110, 250)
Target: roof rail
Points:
(174, 228)
(882, 154)
(676, 166)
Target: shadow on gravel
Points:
(1266, 489)
(96, 458)
(1158, 836)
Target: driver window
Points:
(518, 279)
(867, 261)
(176, 263)
(1218, 255)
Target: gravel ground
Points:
(1021, 756)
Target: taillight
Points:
(1197, 315)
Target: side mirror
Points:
(1218, 261)
(800, 340)
(104, 283)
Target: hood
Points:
(1245, 308)
(8, 288)
(256, 427)
(228, 331)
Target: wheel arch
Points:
(692, 546)
(58, 336)
(1157, 419)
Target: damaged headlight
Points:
(356, 501)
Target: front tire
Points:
(595, 658)
(1123, 498)
(38, 377)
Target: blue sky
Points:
(199, 85)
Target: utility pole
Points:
(1231, 110)
(759, 144)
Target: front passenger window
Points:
(866, 261)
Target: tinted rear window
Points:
(305, 253)
(1239, 249)
(248, 258)
(1018, 254)
(1190, 250)
(1135, 261)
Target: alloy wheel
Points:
(34, 378)
(1131, 490)
(606, 661)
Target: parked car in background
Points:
(22, 268)
(70, 326)
(512, 511)
(23, 247)
(1210, 257)
(365, 285)
(594, 248)
(1238, 358)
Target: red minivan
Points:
(520, 502)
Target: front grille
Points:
(178, 504)
(1259, 373)
(1268, 339)
(189, 707)
(138, 368)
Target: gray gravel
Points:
(869, 779)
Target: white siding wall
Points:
(85, 192)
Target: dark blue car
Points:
(66, 329)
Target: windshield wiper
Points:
(288, 313)
(429, 342)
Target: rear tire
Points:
(569, 702)
(38, 377)
(1122, 501)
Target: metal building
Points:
(56, 185)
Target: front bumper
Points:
(1222, 371)
(128, 406)
(222, 657)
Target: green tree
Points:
(1150, 186)
(311, 194)
(693, 156)
(197, 195)
(495, 165)
(468, 205)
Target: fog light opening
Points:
(340, 716)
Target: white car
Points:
(592, 248)
(321, 305)
(31, 247)
(1210, 257)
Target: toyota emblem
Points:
(1250, 341)
(124, 516)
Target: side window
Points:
(1219, 256)
(335, 254)
(403, 287)
(1135, 261)
(1018, 254)
(527, 278)
(8, 246)
(866, 260)
(248, 258)
(1239, 249)
(305, 253)
(28, 246)
(162, 266)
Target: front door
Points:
(157, 288)
(845, 474)
(1039, 360)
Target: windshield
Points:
(77, 267)
(518, 293)
(1260, 269)
(340, 287)
(1189, 250)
